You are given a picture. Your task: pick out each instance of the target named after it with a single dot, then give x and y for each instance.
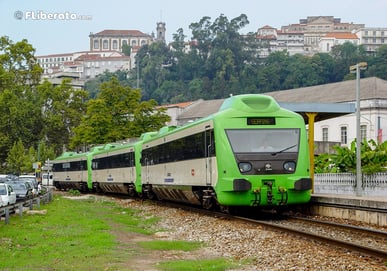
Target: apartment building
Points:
(53, 63)
(316, 27)
(372, 37)
(317, 34)
(90, 65)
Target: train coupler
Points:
(269, 194)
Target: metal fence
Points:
(19, 207)
(345, 183)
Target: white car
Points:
(8, 196)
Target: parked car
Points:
(7, 195)
(23, 190)
(32, 180)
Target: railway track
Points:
(362, 240)
(365, 241)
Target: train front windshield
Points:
(264, 140)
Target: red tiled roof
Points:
(180, 105)
(55, 55)
(342, 35)
(110, 32)
(267, 27)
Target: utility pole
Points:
(356, 69)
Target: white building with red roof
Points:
(113, 40)
(330, 40)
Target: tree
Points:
(126, 49)
(62, 108)
(16, 160)
(117, 114)
(20, 114)
(346, 55)
(377, 65)
(18, 65)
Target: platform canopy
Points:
(323, 111)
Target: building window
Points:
(105, 44)
(343, 135)
(115, 44)
(325, 134)
(363, 132)
(96, 44)
(134, 43)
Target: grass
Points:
(78, 235)
(74, 235)
(194, 265)
(170, 245)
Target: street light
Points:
(356, 69)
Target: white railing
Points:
(345, 183)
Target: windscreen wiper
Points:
(287, 148)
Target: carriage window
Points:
(186, 148)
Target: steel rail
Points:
(379, 254)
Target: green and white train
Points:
(251, 152)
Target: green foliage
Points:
(126, 49)
(170, 245)
(20, 117)
(74, 192)
(373, 158)
(117, 114)
(221, 61)
(377, 66)
(16, 158)
(63, 108)
(195, 265)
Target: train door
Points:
(146, 171)
(209, 146)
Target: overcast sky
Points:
(19, 18)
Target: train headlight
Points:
(244, 167)
(290, 166)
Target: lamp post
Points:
(356, 69)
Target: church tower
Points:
(160, 32)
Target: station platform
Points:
(371, 210)
(379, 203)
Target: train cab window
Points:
(263, 140)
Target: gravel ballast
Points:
(264, 249)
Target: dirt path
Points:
(140, 259)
